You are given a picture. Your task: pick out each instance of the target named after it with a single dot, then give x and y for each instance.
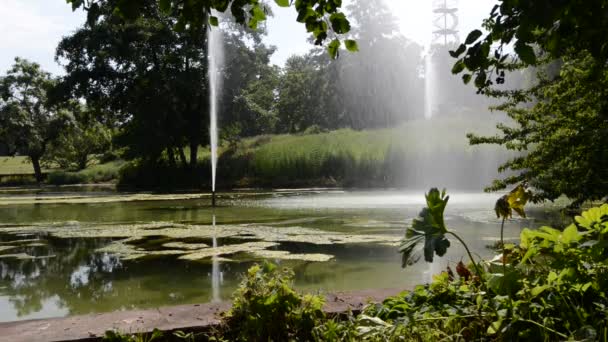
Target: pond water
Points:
(84, 252)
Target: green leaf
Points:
(466, 78)
(472, 37)
(494, 328)
(165, 6)
(429, 227)
(258, 14)
(351, 45)
(525, 53)
(213, 21)
(339, 23)
(333, 48)
(458, 67)
(282, 3)
(462, 48)
(571, 234)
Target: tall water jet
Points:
(215, 55)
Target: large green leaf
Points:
(429, 227)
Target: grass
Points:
(19, 165)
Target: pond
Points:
(85, 252)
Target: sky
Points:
(32, 28)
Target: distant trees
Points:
(81, 141)
(28, 123)
(381, 85)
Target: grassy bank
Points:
(19, 171)
(419, 152)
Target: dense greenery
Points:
(560, 129)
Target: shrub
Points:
(267, 308)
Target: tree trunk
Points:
(182, 156)
(193, 154)
(37, 169)
(171, 155)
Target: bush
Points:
(94, 174)
(267, 308)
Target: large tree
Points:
(560, 130)
(28, 123)
(153, 79)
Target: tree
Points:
(300, 96)
(322, 18)
(250, 82)
(531, 27)
(28, 124)
(153, 79)
(372, 88)
(80, 140)
(560, 129)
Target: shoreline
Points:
(187, 318)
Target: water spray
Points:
(215, 54)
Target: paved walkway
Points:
(197, 317)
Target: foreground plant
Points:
(504, 208)
(554, 290)
(267, 308)
(430, 227)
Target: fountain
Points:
(215, 55)
(429, 84)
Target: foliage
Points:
(513, 201)
(553, 290)
(28, 124)
(553, 27)
(267, 307)
(114, 336)
(559, 130)
(429, 227)
(78, 143)
(93, 174)
(322, 18)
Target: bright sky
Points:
(32, 28)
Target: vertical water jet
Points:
(215, 55)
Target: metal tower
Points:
(445, 22)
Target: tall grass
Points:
(417, 154)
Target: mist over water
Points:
(215, 48)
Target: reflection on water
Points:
(216, 274)
(45, 276)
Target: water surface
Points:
(64, 253)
